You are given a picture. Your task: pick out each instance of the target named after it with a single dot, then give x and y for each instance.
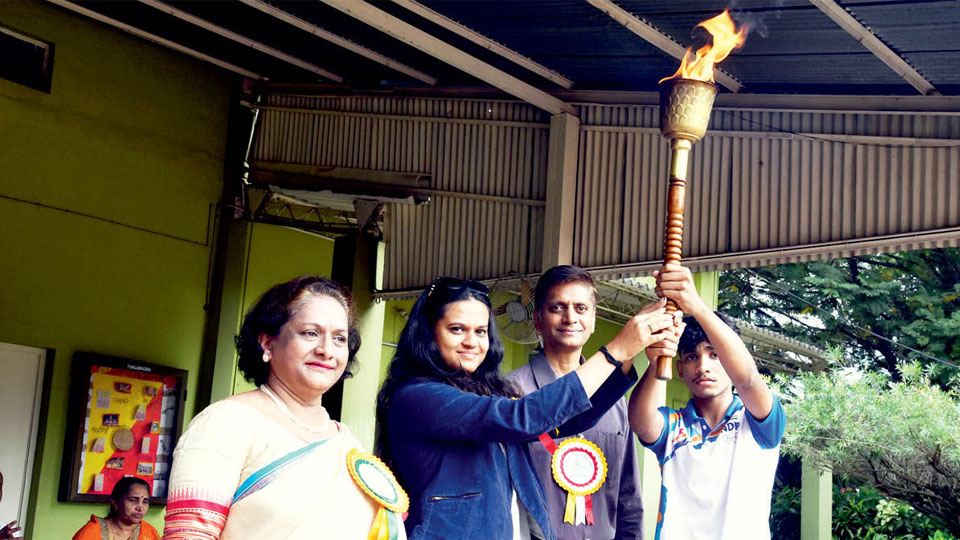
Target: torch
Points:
(686, 99)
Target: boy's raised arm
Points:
(645, 418)
(676, 282)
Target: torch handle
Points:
(684, 115)
(673, 243)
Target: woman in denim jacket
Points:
(454, 431)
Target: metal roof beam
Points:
(433, 46)
(483, 41)
(154, 38)
(854, 104)
(243, 40)
(658, 39)
(340, 41)
(868, 39)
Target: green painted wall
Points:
(124, 160)
(279, 254)
(394, 319)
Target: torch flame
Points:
(725, 39)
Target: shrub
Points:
(902, 438)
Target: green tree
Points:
(871, 309)
(900, 437)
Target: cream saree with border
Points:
(237, 475)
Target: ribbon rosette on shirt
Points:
(375, 479)
(579, 468)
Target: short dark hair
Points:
(694, 335)
(561, 275)
(120, 490)
(275, 308)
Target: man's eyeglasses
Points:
(455, 284)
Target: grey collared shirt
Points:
(617, 509)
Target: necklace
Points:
(111, 527)
(286, 410)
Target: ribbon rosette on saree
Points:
(580, 468)
(376, 480)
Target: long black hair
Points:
(418, 356)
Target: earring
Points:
(266, 356)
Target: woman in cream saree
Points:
(271, 464)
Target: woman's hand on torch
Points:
(669, 346)
(651, 325)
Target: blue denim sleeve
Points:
(605, 397)
(441, 411)
(769, 431)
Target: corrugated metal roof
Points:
(767, 187)
(793, 48)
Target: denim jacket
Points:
(459, 454)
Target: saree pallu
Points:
(237, 475)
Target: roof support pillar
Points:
(561, 190)
(363, 273)
(816, 499)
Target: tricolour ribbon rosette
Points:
(375, 479)
(579, 468)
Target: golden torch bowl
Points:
(685, 106)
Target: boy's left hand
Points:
(676, 283)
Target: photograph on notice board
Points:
(128, 416)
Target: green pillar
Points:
(218, 368)
(816, 487)
(224, 324)
(650, 487)
(231, 248)
(649, 471)
(708, 286)
(358, 410)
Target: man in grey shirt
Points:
(565, 316)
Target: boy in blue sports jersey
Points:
(718, 455)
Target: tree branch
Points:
(876, 262)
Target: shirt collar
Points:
(690, 411)
(543, 373)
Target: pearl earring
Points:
(266, 357)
